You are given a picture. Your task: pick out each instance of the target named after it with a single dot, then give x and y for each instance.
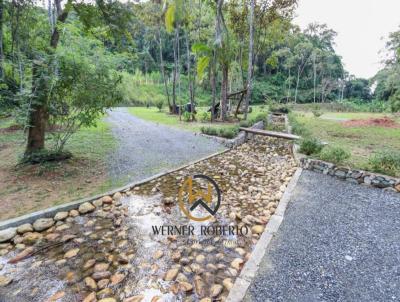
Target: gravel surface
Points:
(147, 148)
(337, 242)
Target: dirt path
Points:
(147, 148)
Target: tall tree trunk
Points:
(213, 83)
(297, 85)
(315, 77)
(162, 69)
(175, 74)
(38, 116)
(289, 86)
(191, 95)
(1, 40)
(224, 91)
(250, 67)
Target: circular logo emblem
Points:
(199, 197)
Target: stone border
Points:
(50, 212)
(249, 271)
(352, 175)
(355, 176)
(241, 138)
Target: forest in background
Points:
(63, 63)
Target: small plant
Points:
(186, 116)
(297, 127)
(334, 154)
(310, 145)
(386, 162)
(209, 130)
(395, 102)
(227, 132)
(159, 104)
(205, 117)
(316, 111)
(230, 132)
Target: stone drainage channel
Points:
(107, 250)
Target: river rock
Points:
(31, 237)
(138, 298)
(236, 263)
(101, 275)
(86, 208)
(71, 253)
(397, 187)
(24, 228)
(56, 297)
(7, 234)
(42, 224)
(90, 283)
(200, 286)
(90, 298)
(257, 229)
(89, 263)
(117, 278)
(171, 274)
(185, 287)
(103, 283)
(158, 254)
(73, 213)
(4, 281)
(117, 196)
(61, 216)
(228, 284)
(216, 290)
(98, 203)
(108, 300)
(107, 199)
(101, 267)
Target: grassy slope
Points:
(360, 141)
(41, 186)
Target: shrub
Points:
(310, 145)
(187, 116)
(262, 116)
(279, 108)
(209, 130)
(334, 154)
(205, 117)
(159, 103)
(246, 123)
(297, 127)
(230, 132)
(386, 162)
(227, 132)
(395, 102)
(316, 111)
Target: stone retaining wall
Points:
(351, 175)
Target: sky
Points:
(360, 24)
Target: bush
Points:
(159, 102)
(386, 162)
(310, 146)
(279, 108)
(187, 116)
(334, 154)
(316, 111)
(297, 127)
(395, 102)
(205, 117)
(227, 132)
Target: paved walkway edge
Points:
(242, 283)
(50, 212)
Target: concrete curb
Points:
(242, 283)
(50, 212)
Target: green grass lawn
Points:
(361, 142)
(152, 114)
(44, 185)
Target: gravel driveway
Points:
(337, 242)
(147, 148)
